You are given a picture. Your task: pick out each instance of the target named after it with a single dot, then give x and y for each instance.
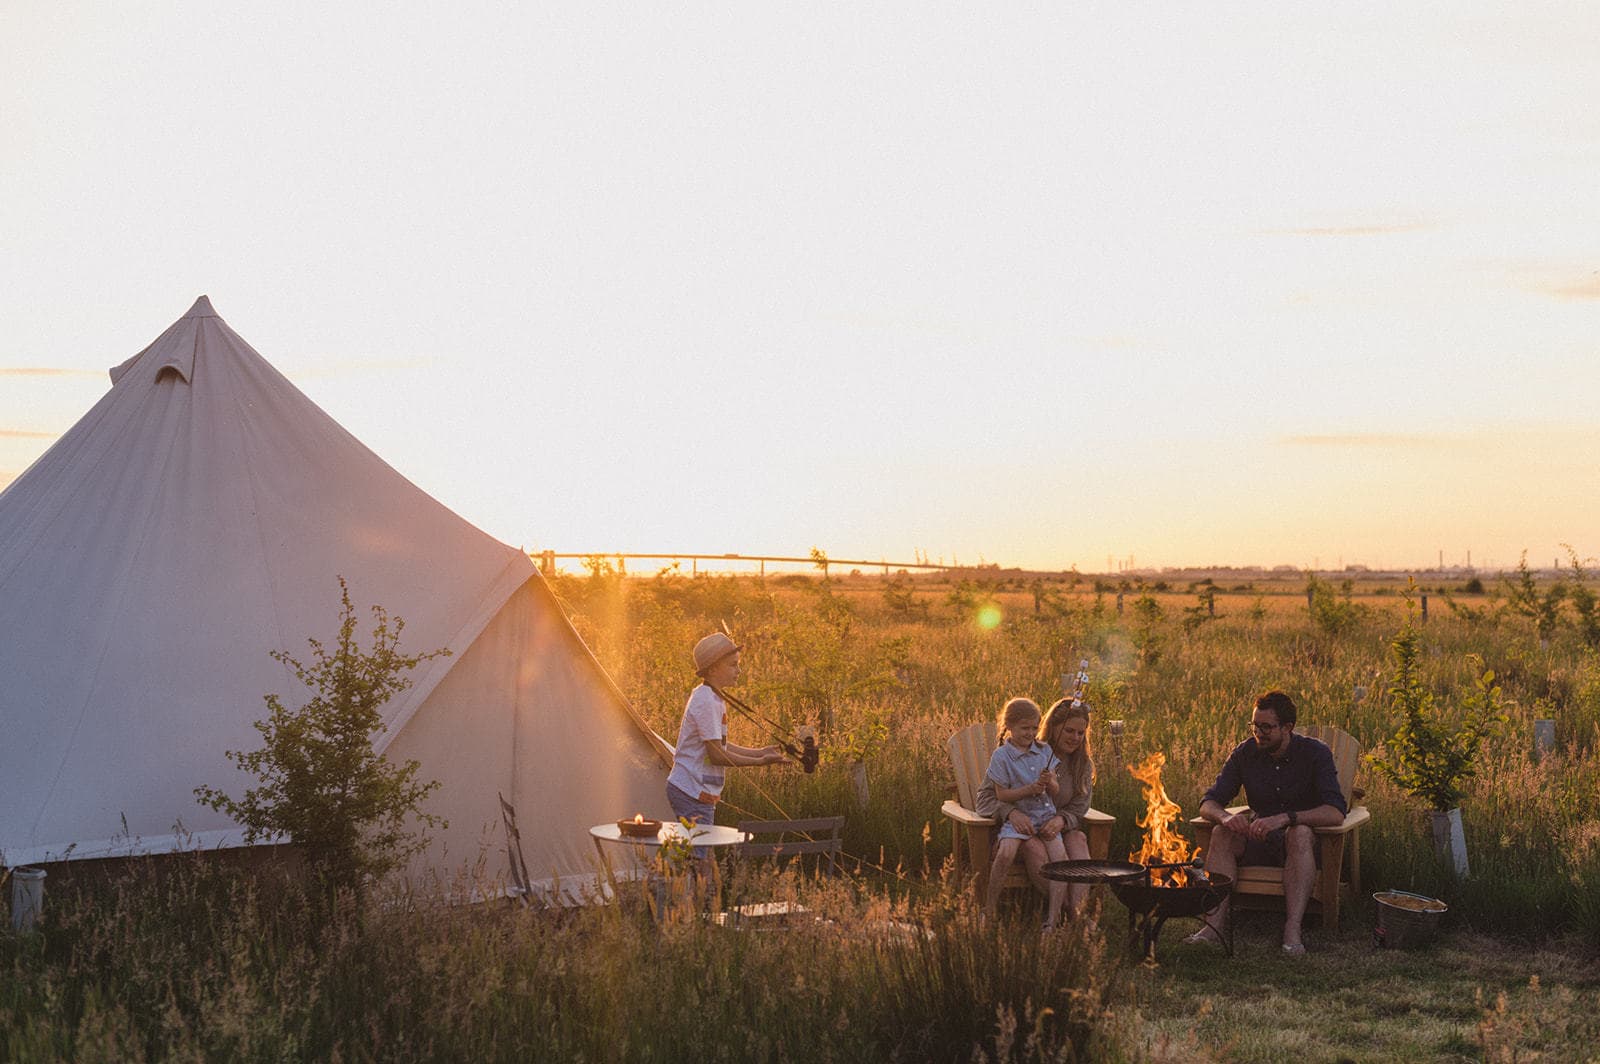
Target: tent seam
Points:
(255, 504)
(467, 634)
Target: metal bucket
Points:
(1406, 920)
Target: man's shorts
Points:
(1272, 850)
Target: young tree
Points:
(1585, 605)
(1523, 598)
(345, 806)
(1434, 752)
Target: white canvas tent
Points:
(197, 518)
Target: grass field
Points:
(205, 962)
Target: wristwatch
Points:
(1294, 818)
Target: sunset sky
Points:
(1040, 285)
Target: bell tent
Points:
(197, 518)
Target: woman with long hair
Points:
(1066, 731)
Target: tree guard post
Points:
(1544, 738)
(27, 898)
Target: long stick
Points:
(806, 753)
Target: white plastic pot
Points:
(27, 898)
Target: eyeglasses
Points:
(1264, 729)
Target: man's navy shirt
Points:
(1302, 779)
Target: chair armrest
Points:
(954, 810)
(1199, 821)
(962, 815)
(1352, 820)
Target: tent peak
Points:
(202, 309)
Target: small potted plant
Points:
(1434, 752)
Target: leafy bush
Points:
(1430, 758)
(1204, 609)
(1524, 599)
(322, 784)
(1331, 613)
(1585, 607)
(1147, 618)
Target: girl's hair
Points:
(1014, 712)
(1078, 765)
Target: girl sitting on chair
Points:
(1022, 773)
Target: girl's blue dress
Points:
(1011, 767)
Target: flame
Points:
(1162, 843)
(638, 818)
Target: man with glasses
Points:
(1292, 787)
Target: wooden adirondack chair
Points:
(973, 835)
(1262, 887)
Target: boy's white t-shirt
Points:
(705, 717)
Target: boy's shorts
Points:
(687, 807)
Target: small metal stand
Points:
(1146, 926)
(1150, 905)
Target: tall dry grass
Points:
(837, 653)
(204, 963)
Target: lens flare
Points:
(989, 617)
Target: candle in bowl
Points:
(640, 827)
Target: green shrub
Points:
(348, 810)
(1431, 757)
(1333, 614)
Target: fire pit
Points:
(1160, 880)
(1173, 890)
(1153, 894)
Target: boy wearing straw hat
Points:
(703, 752)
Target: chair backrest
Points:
(819, 835)
(1346, 753)
(970, 750)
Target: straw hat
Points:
(712, 649)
